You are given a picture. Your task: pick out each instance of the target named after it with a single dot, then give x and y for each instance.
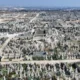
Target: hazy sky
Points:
(40, 3)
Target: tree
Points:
(62, 65)
(0, 58)
(24, 66)
(54, 78)
(24, 51)
(74, 65)
(78, 69)
(55, 56)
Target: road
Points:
(35, 18)
(41, 62)
(10, 36)
(7, 41)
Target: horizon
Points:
(40, 3)
(36, 7)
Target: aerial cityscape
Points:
(39, 43)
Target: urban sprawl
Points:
(39, 44)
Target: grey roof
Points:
(41, 53)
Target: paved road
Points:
(35, 18)
(6, 42)
(10, 36)
(41, 62)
